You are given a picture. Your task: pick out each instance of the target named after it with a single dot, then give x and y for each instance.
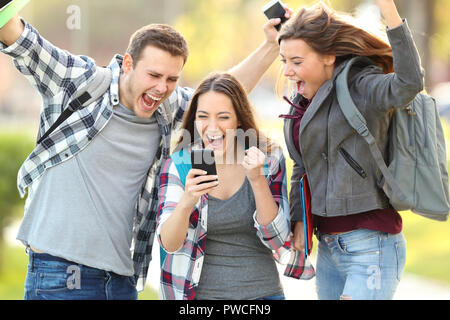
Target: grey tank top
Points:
(236, 265)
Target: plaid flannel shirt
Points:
(180, 270)
(58, 75)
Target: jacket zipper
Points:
(352, 162)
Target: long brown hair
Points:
(226, 84)
(330, 33)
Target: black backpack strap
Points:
(73, 106)
(91, 92)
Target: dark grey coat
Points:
(342, 174)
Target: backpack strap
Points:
(358, 122)
(91, 92)
(182, 161)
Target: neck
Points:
(123, 92)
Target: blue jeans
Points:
(361, 265)
(53, 278)
(275, 297)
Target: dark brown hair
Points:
(330, 34)
(161, 36)
(227, 84)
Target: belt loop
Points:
(30, 258)
(318, 235)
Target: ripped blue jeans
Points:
(360, 265)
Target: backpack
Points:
(416, 177)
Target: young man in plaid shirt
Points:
(92, 183)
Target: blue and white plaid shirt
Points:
(58, 75)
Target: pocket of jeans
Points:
(132, 281)
(51, 282)
(364, 246)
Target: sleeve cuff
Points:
(22, 44)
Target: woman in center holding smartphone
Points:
(218, 231)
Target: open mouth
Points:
(301, 87)
(215, 141)
(149, 102)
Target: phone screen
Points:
(274, 9)
(4, 3)
(204, 160)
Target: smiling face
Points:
(145, 84)
(216, 121)
(304, 66)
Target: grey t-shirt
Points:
(82, 210)
(236, 265)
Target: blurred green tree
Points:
(14, 148)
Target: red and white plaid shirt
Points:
(180, 270)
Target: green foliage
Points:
(13, 272)
(14, 148)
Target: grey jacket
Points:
(342, 174)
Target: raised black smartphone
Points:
(274, 9)
(4, 3)
(204, 159)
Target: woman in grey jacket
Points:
(362, 251)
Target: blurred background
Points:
(220, 33)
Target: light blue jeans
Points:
(360, 265)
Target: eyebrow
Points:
(160, 75)
(292, 58)
(222, 112)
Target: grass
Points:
(428, 247)
(13, 271)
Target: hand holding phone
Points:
(274, 9)
(202, 178)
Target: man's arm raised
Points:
(251, 69)
(11, 31)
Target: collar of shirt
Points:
(115, 65)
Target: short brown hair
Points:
(161, 36)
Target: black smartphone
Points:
(274, 9)
(4, 3)
(204, 159)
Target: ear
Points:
(329, 60)
(127, 64)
